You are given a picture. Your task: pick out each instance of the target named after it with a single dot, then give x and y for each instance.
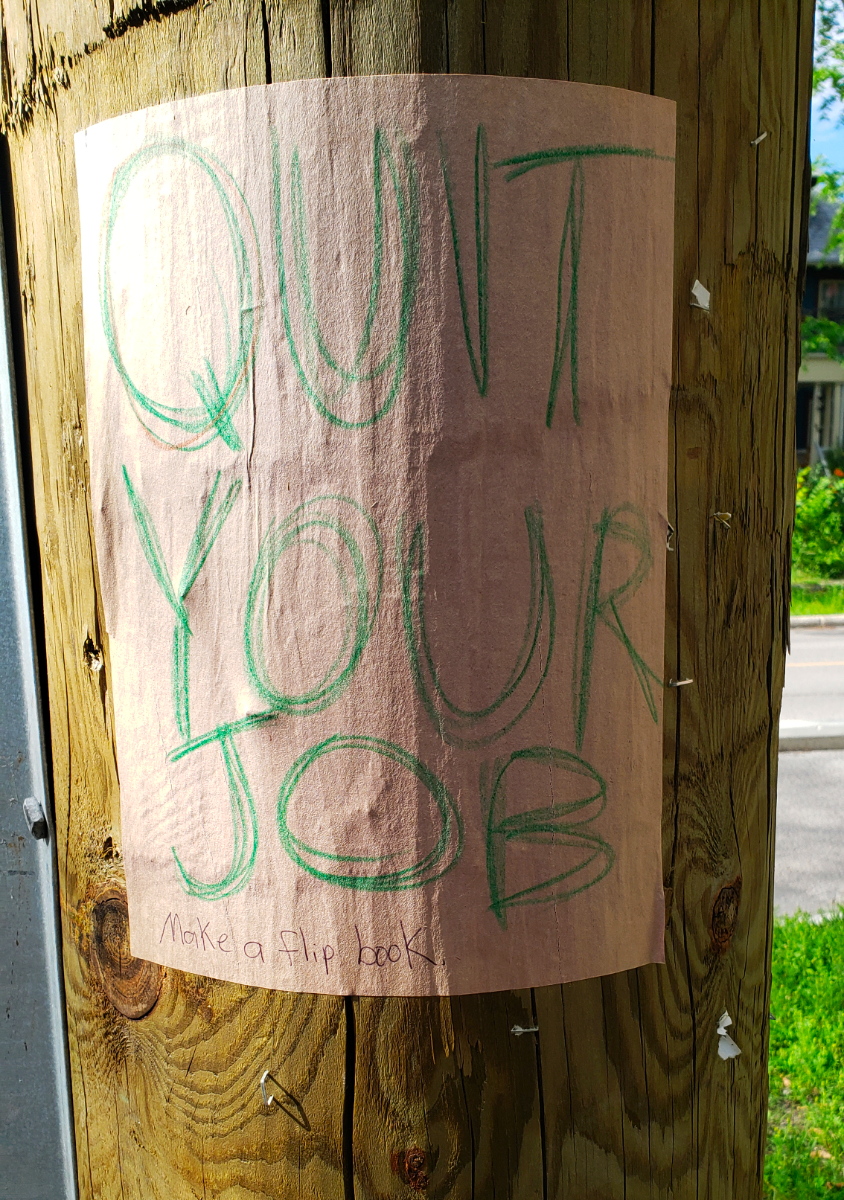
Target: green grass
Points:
(812, 599)
(805, 1158)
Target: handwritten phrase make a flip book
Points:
(377, 391)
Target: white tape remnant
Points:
(700, 296)
(726, 1046)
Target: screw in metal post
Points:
(36, 818)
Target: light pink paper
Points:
(378, 376)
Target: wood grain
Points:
(621, 1092)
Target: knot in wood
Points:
(131, 984)
(410, 1166)
(725, 914)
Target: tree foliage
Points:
(818, 545)
(819, 335)
(828, 72)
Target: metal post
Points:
(36, 1140)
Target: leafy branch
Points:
(828, 68)
(819, 335)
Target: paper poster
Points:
(377, 383)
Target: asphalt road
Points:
(814, 675)
(809, 870)
(809, 863)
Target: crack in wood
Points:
(49, 71)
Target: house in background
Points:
(820, 382)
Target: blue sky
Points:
(828, 135)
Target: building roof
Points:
(819, 223)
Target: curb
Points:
(820, 619)
(811, 743)
(812, 735)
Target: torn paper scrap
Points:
(727, 1048)
(700, 296)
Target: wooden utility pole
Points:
(622, 1092)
